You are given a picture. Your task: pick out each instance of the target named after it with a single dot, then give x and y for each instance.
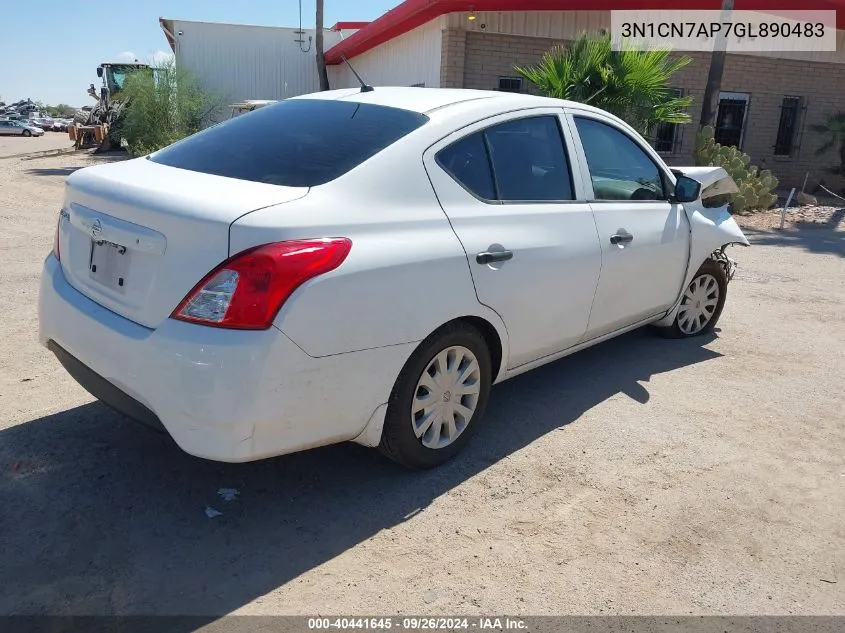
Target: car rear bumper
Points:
(225, 395)
(103, 390)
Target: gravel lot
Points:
(643, 476)
(14, 145)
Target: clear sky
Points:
(51, 49)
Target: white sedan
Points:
(364, 265)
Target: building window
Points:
(666, 137)
(730, 118)
(785, 144)
(510, 84)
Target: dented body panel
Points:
(709, 177)
(711, 229)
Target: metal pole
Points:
(785, 207)
(804, 186)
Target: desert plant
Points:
(630, 83)
(164, 106)
(834, 130)
(755, 186)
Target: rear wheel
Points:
(702, 302)
(27, 133)
(439, 398)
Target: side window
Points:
(529, 161)
(619, 168)
(527, 156)
(467, 162)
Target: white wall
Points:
(412, 58)
(248, 62)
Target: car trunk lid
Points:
(136, 236)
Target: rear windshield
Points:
(296, 143)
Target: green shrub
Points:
(755, 186)
(163, 107)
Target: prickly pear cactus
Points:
(755, 186)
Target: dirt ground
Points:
(643, 476)
(14, 145)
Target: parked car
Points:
(59, 125)
(12, 127)
(408, 249)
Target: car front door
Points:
(645, 238)
(508, 189)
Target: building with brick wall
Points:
(768, 101)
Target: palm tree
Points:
(630, 83)
(714, 75)
(834, 130)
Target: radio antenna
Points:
(364, 86)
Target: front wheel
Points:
(439, 398)
(27, 133)
(702, 303)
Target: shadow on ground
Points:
(811, 237)
(100, 515)
(52, 171)
(99, 158)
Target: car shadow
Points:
(101, 516)
(52, 171)
(815, 238)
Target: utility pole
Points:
(322, 74)
(714, 77)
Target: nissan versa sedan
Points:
(363, 265)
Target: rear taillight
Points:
(246, 291)
(56, 250)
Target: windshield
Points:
(296, 143)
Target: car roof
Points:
(427, 100)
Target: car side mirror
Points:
(687, 189)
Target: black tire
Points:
(716, 271)
(27, 133)
(398, 440)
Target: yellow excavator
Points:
(100, 126)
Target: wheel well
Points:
(491, 337)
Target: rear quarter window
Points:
(295, 143)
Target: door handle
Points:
(621, 238)
(494, 256)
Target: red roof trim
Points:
(345, 26)
(413, 13)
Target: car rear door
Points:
(645, 238)
(508, 189)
